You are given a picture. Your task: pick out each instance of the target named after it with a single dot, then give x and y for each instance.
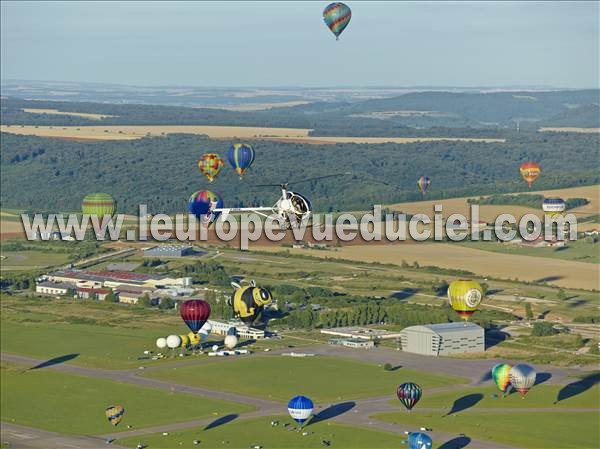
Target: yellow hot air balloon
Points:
(465, 295)
(114, 414)
(194, 339)
(184, 340)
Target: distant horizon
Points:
(315, 87)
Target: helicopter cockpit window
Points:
(299, 205)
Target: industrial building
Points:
(169, 251)
(243, 331)
(363, 333)
(443, 339)
(113, 279)
(52, 288)
(353, 343)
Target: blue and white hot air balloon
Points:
(300, 409)
(419, 440)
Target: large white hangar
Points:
(443, 339)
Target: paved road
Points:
(358, 415)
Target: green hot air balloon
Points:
(99, 204)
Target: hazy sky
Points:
(284, 43)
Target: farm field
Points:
(279, 377)
(578, 250)
(570, 130)
(73, 114)
(242, 433)
(530, 430)
(125, 132)
(31, 260)
(52, 400)
(564, 273)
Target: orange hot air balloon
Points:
(530, 171)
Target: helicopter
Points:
(292, 209)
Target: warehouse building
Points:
(169, 251)
(443, 339)
(52, 288)
(242, 330)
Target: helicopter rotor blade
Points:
(303, 180)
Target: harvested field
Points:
(570, 130)
(74, 114)
(483, 263)
(297, 135)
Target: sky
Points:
(287, 44)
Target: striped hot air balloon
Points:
(424, 182)
(522, 378)
(194, 313)
(409, 394)
(464, 296)
(300, 409)
(554, 206)
(337, 17)
(240, 157)
(114, 414)
(99, 204)
(210, 165)
(530, 171)
(201, 205)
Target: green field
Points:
(73, 404)
(320, 378)
(539, 430)
(578, 250)
(540, 396)
(239, 434)
(31, 260)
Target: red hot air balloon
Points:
(195, 312)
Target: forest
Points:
(41, 174)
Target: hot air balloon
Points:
(195, 312)
(185, 340)
(99, 205)
(194, 339)
(409, 394)
(231, 341)
(424, 182)
(210, 165)
(300, 409)
(337, 17)
(240, 156)
(248, 301)
(501, 376)
(522, 378)
(173, 341)
(161, 343)
(530, 171)
(464, 295)
(419, 440)
(553, 206)
(201, 203)
(114, 414)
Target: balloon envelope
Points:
(161, 343)
(210, 165)
(300, 409)
(553, 206)
(173, 341)
(464, 296)
(99, 204)
(409, 394)
(337, 17)
(500, 374)
(195, 312)
(522, 378)
(201, 204)
(240, 156)
(530, 171)
(424, 182)
(231, 341)
(114, 414)
(419, 440)
(248, 302)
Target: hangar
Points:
(443, 339)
